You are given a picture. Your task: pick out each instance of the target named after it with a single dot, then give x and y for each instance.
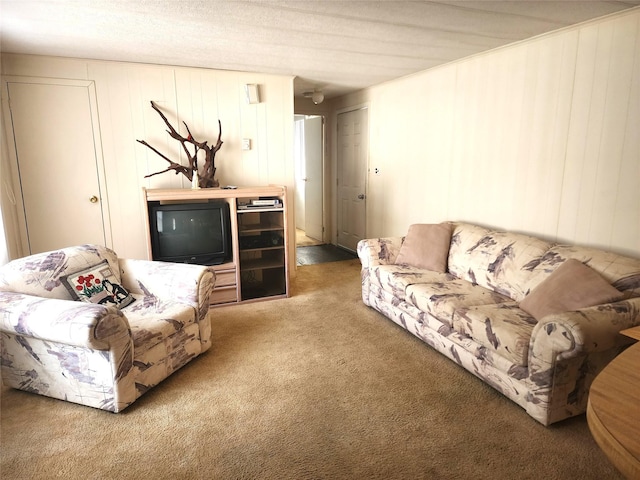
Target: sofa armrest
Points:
(372, 252)
(581, 332)
(379, 251)
(180, 282)
(80, 324)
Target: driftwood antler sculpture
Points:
(207, 174)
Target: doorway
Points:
(309, 160)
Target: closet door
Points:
(59, 160)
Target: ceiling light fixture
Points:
(316, 96)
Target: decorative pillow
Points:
(571, 286)
(426, 246)
(97, 284)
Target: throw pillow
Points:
(571, 286)
(97, 284)
(426, 246)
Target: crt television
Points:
(197, 233)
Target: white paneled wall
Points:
(198, 97)
(603, 151)
(542, 137)
(124, 92)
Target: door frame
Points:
(323, 176)
(334, 168)
(326, 174)
(319, 168)
(21, 236)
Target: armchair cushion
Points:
(97, 284)
(154, 320)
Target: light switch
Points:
(246, 144)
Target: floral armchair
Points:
(80, 324)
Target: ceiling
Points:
(336, 46)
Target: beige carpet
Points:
(316, 386)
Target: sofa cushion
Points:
(426, 246)
(493, 259)
(571, 286)
(442, 299)
(623, 273)
(396, 278)
(503, 328)
(153, 320)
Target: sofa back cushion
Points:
(494, 259)
(623, 273)
(42, 274)
(426, 246)
(571, 286)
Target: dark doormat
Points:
(322, 254)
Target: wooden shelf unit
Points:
(262, 233)
(259, 268)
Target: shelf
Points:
(260, 264)
(259, 227)
(264, 283)
(262, 249)
(253, 293)
(260, 209)
(262, 240)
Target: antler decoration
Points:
(206, 177)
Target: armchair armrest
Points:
(379, 251)
(588, 330)
(180, 282)
(68, 322)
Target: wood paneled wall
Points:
(198, 97)
(541, 137)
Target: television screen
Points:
(191, 233)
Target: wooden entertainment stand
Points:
(259, 268)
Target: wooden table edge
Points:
(619, 456)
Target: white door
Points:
(58, 157)
(353, 153)
(313, 177)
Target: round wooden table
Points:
(613, 410)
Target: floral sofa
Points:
(80, 324)
(534, 319)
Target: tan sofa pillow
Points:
(571, 286)
(426, 246)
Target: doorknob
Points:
(93, 199)
(361, 196)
